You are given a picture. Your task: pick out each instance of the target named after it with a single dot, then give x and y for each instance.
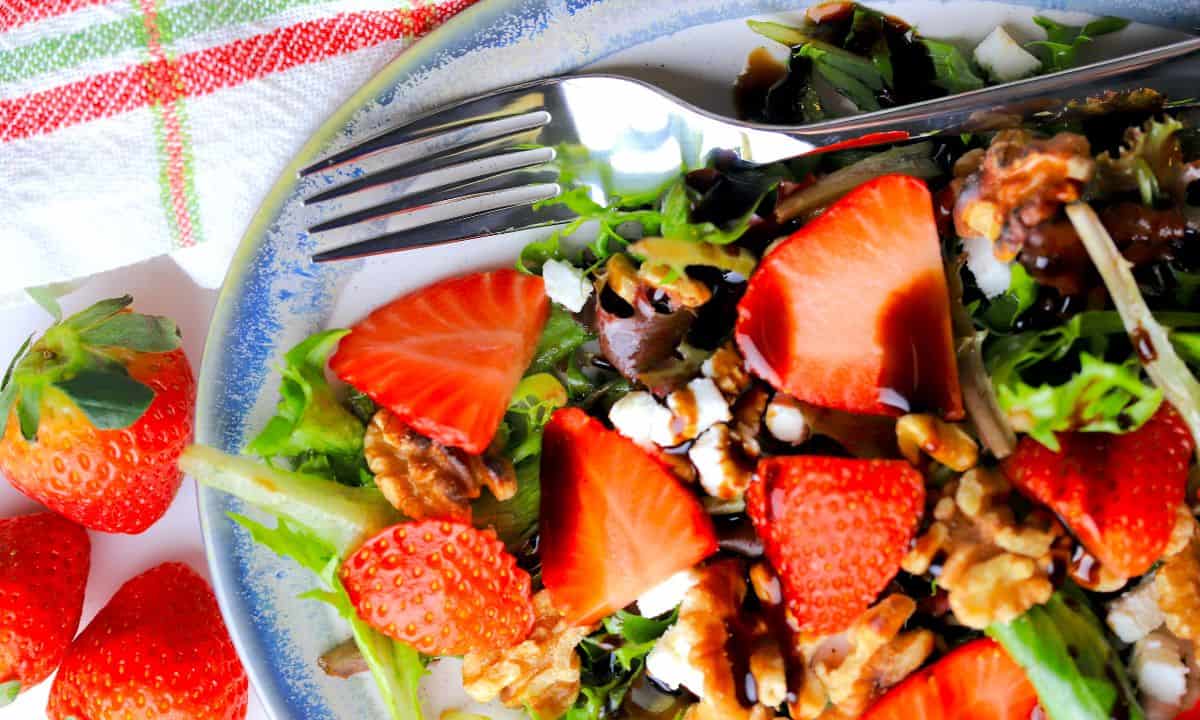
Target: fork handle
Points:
(1173, 70)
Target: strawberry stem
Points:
(84, 358)
(56, 355)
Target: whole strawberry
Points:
(158, 649)
(94, 415)
(44, 562)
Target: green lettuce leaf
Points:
(1187, 287)
(852, 65)
(1002, 313)
(1149, 162)
(534, 401)
(536, 398)
(952, 70)
(613, 658)
(1062, 41)
(1188, 347)
(780, 33)
(515, 520)
(311, 428)
(561, 337)
(915, 159)
(1069, 659)
(622, 211)
(854, 77)
(342, 516)
(663, 211)
(1100, 397)
(1096, 395)
(1156, 352)
(677, 209)
(871, 24)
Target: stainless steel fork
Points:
(480, 167)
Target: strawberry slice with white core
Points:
(446, 358)
(614, 521)
(852, 311)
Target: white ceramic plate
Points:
(273, 296)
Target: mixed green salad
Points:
(875, 61)
(901, 432)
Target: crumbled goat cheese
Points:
(639, 417)
(993, 276)
(1159, 666)
(1004, 59)
(698, 407)
(785, 420)
(721, 470)
(566, 285)
(666, 596)
(669, 662)
(1133, 615)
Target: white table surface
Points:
(158, 287)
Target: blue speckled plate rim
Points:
(239, 344)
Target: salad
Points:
(894, 433)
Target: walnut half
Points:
(857, 666)
(995, 567)
(705, 616)
(1021, 182)
(1177, 586)
(423, 478)
(541, 672)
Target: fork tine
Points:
(515, 102)
(396, 184)
(395, 152)
(472, 227)
(351, 213)
(346, 182)
(461, 206)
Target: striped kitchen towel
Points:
(134, 128)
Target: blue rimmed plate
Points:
(273, 296)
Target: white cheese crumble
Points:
(785, 420)
(566, 285)
(720, 473)
(1135, 614)
(639, 417)
(669, 662)
(993, 276)
(1159, 667)
(666, 596)
(698, 406)
(1004, 59)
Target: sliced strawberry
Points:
(447, 357)
(1117, 493)
(978, 681)
(443, 587)
(614, 521)
(852, 312)
(835, 529)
